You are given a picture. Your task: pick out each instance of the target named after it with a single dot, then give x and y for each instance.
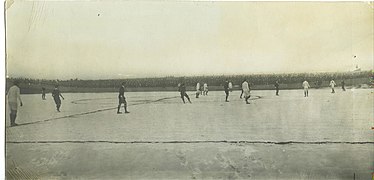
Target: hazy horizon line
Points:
(184, 76)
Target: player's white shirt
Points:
(332, 83)
(14, 94)
(198, 86)
(245, 86)
(230, 85)
(205, 86)
(306, 85)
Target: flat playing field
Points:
(324, 136)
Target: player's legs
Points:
(121, 101)
(188, 98)
(247, 96)
(246, 99)
(182, 97)
(125, 106)
(277, 92)
(13, 116)
(227, 95)
(58, 103)
(58, 107)
(241, 94)
(118, 108)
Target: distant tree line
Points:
(170, 81)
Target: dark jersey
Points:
(56, 93)
(276, 85)
(121, 92)
(226, 86)
(182, 88)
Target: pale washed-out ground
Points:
(324, 136)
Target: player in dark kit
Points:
(43, 93)
(343, 85)
(276, 88)
(227, 90)
(122, 99)
(182, 90)
(56, 96)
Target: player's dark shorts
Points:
(57, 100)
(121, 100)
(226, 91)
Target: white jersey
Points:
(245, 86)
(306, 85)
(230, 85)
(205, 86)
(198, 86)
(332, 83)
(14, 94)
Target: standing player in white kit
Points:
(246, 91)
(306, 88)
(13, 98)
(198, 92)
(332, 85)
(205, 93)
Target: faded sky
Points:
(117, 39)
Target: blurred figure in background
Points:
(226, 88)
(198, 90)
(306, 88)
(276, 88)
(182, 90)
(332, 85)
(343, 85)
(230, 86)
(122, 99)
(43, 93)
(241, 94)
(13, 98)
(56, 96)
(205, 89)
(201, 89)
(246, 91)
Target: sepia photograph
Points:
(188, 90)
